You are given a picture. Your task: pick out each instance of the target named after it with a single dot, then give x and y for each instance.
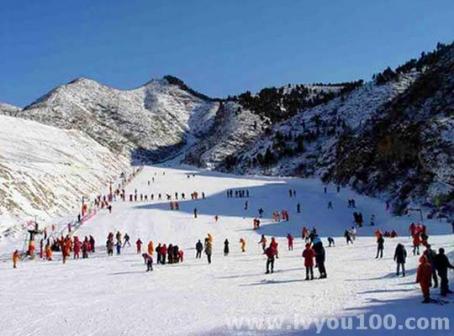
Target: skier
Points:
(400, 255)
(331, 242)
(320, 257)
(262, 241)
(270, 254)
(226, 247)
(195, 212)
(304, 233)
(308, 255)
(416, 243)
(170, 253)
(48, 251)
(290, 241)
(76, 248)
(274, 245)
(208, 249)
(380, 246)
(423, 275)
(150, 248)
(92, 243)
(139, 244)
(149, 262)
(347, 237)
(158, 253)
(330, 205)
(199, 249)
(431, 254)
(126, 240)
(246, 205)
(15, 258)
(109, 247)
(243, 245)
(118, 246)
(163, 253)
(442, 264)
(298, 208)
(180, 255)
(85, 247)
(353, 233)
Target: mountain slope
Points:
(44, 170)
(391, 137)
(149, 122)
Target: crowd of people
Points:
(431, 272)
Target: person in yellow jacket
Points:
(210, 237)
(16, 257)
(243, 244)
(150, 248)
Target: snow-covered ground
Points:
(114, 295)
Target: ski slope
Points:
(114, 295)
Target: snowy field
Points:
(115, 296)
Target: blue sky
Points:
(216, 47)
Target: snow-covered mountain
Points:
(149, 122)
(44, 170)
(390, 138)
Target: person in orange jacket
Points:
(151, 248)
(66, 249)
(31, 249)
(139, 246)
(423, 277)
(16, 257)
(48, 252)
(309, 255)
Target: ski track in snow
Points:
(114, 295)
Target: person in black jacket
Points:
(442, 264)
(431, 254)
(320, 257)
(199, 249)
(400, 255)
(175, 253)
(380, 246)
(226, 247)
(158, 253)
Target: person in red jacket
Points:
(163, 254)
(290, 241)
(76, 248)
(139, 246)
(309, 255)
(416, 243)
(270, 254)
(423, 277)
(180, 255)
(274, 244)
